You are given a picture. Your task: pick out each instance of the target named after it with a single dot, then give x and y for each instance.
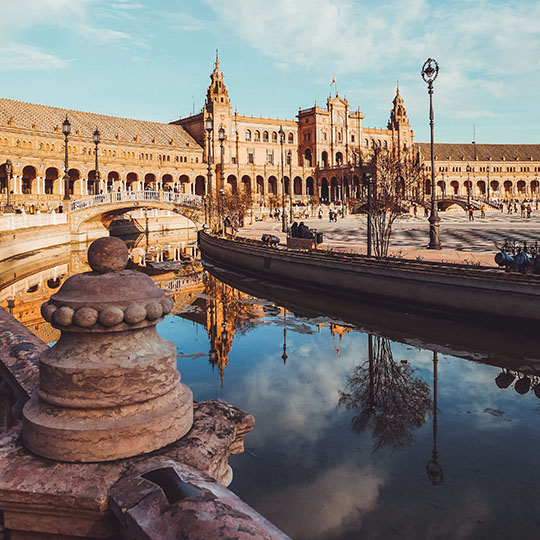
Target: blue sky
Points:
(151, 59)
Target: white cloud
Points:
(16, 56)
(74, 16)
(484, 48)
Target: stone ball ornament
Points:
(109, 388)
(109, 297)
(108, 254)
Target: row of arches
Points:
(324, 159)
(255, 136)
(497, 188)
(260, 187)
(51, 182)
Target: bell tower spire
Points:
(217, 94)
(398, 114)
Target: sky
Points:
(151, 60)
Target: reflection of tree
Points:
(390, 400)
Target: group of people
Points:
(301, 230)
(524, 207)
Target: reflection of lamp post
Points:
(208, 126)
(97, 139)
(433, 469)
(66, 130)
(8, 167)
(368, 179)
(468, 186)
(284, 355)
(283, 219)
(430, 70)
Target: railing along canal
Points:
(183, 199)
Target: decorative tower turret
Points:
(217, 95)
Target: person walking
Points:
(483, 211)
(471, 213)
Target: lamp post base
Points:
(434, 237)
(9, 209)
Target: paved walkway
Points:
(464, 241)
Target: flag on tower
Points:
(333, 80)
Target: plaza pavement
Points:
(463, 241)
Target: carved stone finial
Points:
(109, 388)
(108, 254)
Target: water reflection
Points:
(387, 397)
(309, 368)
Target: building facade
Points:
(316, 158)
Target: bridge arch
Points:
(105, 207)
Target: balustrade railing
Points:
(184, 199)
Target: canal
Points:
(369, 424)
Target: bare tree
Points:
(235, 206)
(396, 180)
(388, 397)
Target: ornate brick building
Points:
(318, 155)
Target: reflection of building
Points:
(225, 311)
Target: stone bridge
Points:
(105, 207)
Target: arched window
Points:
(248, 135)
(257, 135)
(274, 137)
(366, 143)
(265, 136)
(290, 138)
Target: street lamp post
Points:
(97, 139)
(208, 126)
(468, 186)
(368, 178)
(8, 167)
(283, 218)
(66, 130)
(291, 186)
(221, 137)
(487, 187)
(429, 73)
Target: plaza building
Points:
(320, 155)
(490, 172)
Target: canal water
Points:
(369, 424)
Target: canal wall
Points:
(450, 289)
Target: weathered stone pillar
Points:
(109, 388)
